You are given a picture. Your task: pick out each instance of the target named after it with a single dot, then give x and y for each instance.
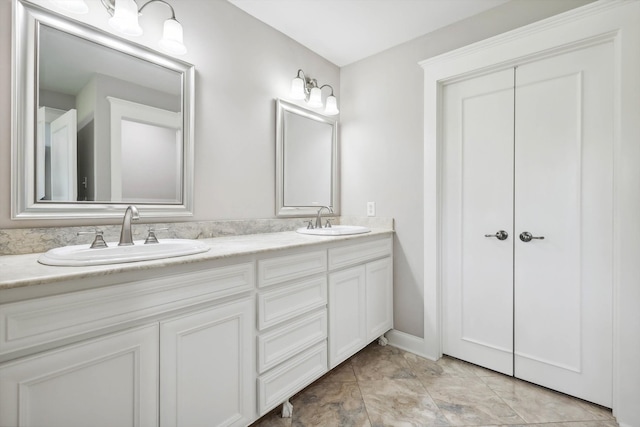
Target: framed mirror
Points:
(306, 161)
(99, 123)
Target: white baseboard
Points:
(407, 342)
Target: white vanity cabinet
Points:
(292, 325)
(206, 366)
(215, 342)
(93, 383)
(360, 296)
(182, 353)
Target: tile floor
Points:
(385, 386)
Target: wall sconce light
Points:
(124, 18)
(303, 87)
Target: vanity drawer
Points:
(289, 378)
(277, 346)
(359, 253)
(277, 270)
(45, 320)
(285, 303)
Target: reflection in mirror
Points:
(112, 121)
(79, 76)
(306, 150)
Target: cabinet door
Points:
(207, 366)
(379, 297)
(108, 381)
(347, 305)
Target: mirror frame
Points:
(27, 18)
(303, 211)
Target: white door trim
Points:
(596, 22)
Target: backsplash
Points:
(16, 241)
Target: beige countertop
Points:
(24, 270)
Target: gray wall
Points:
(382, 137)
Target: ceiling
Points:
(345, 31)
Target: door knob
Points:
(527, 237)
(500, 235)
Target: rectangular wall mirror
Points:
(306, 161)
(94, 117)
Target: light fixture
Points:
(303, 87)
(124, 19)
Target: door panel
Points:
(478, 187)
(563, 188)
(63, 157)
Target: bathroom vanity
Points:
(218, 338)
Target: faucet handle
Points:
(309, 225)
(151, 237)
(98, 242)
(327, 224)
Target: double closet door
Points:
(527, 221)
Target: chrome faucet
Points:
(319, 216)
(126, 238)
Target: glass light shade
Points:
(332, 106)
(73, 6)
(315, 98)
(125, 18)
(171, 41)
(297, 89)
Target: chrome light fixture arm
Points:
(304, 87)
(110, 5)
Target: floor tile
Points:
(536, 404)
(567, 424)
(342, 373)
(377, 362)
(386, 386)
(468, 401)
(400, 402)
(273, 419)
(446, 366)
(330, 404)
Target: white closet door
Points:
(563, 192)
(478, 201)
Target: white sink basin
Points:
(335, 230)
(82, 255)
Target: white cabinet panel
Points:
(108, 381)
(347, 313)
(277, 305)
(277, 346)
(207, 367)
(281, 269)
(379, 297)
(359, 253)
(290, 377)
(42, 320)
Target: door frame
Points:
(598, 22)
